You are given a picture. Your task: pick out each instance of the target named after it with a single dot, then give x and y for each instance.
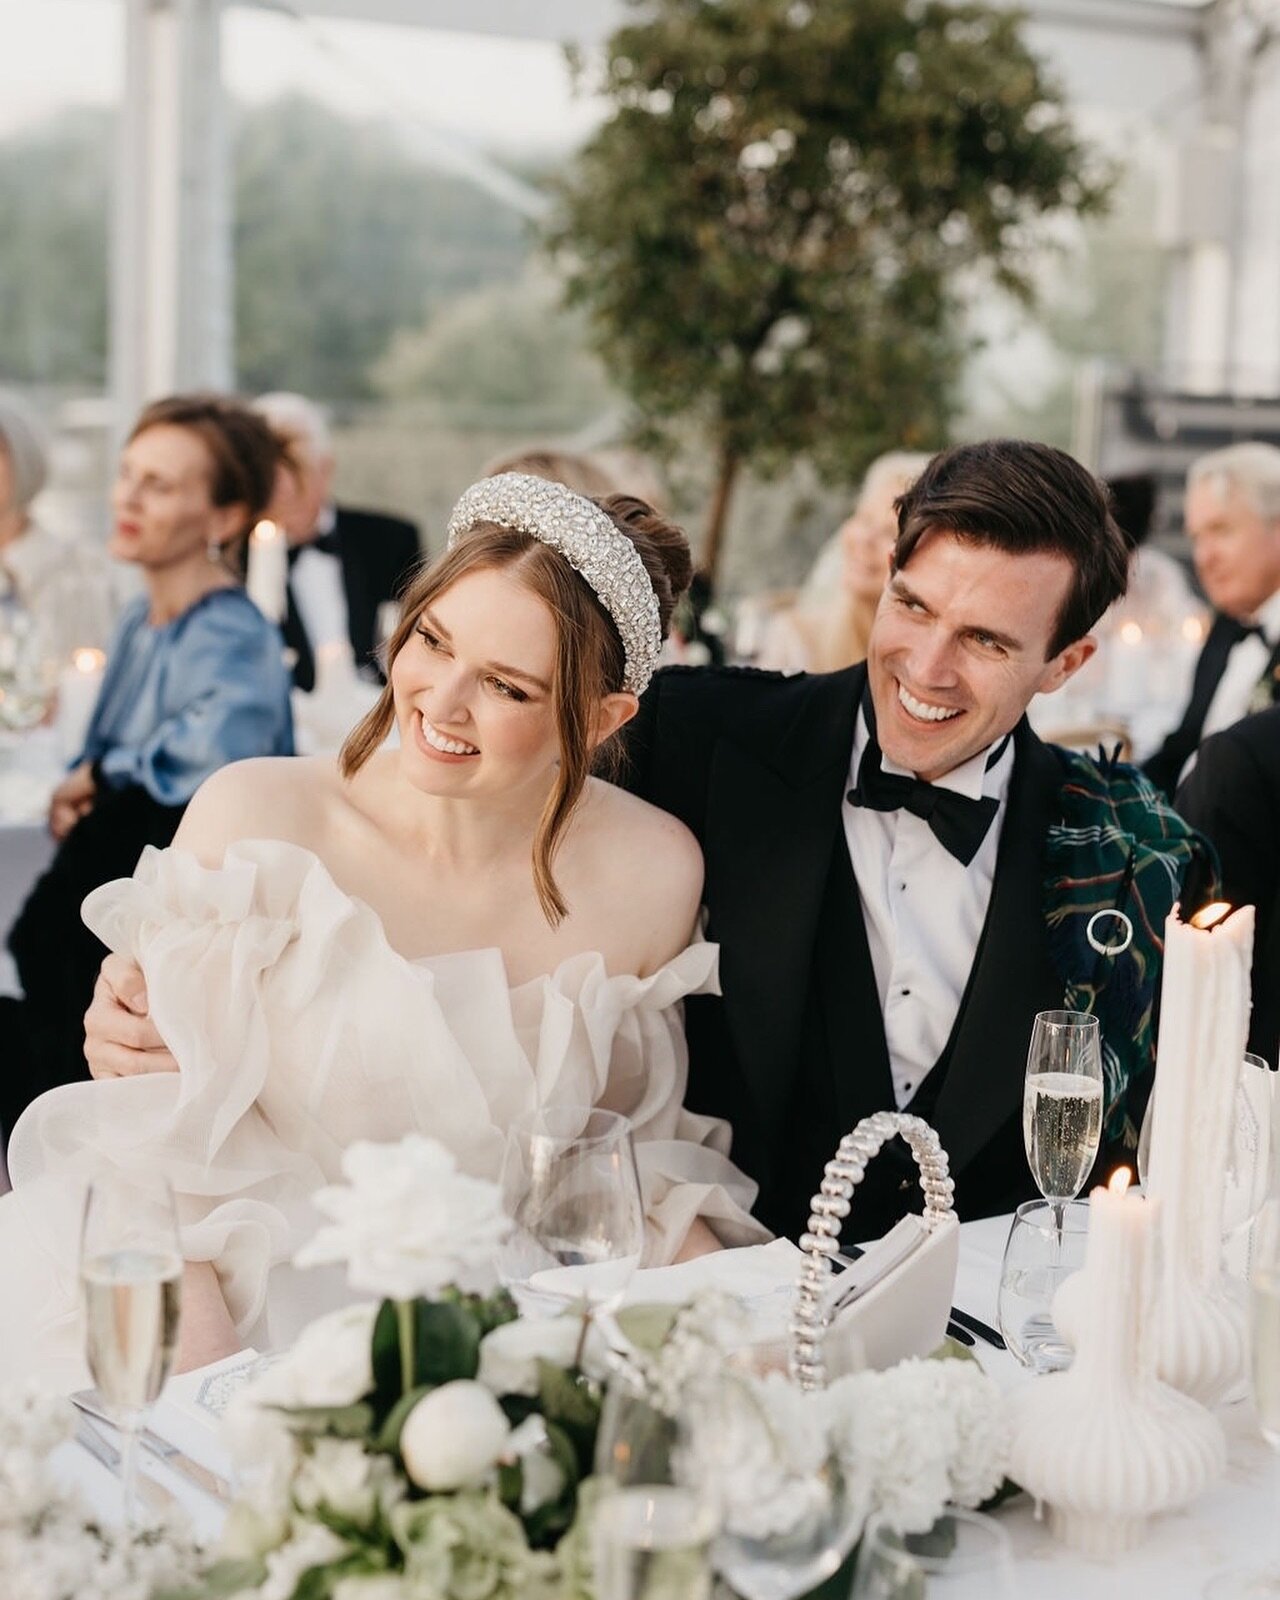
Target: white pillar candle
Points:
(1127, 670)
(1204, 1021)
(78, 688)
(267, 574)
(1106, 1444)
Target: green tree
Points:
(54, 196)
(340, 238)
(770, 231)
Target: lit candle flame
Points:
(1209, 916)
(1193, 630)
(1120, 1180)
(87, 660)
(266, 530)
(1131, 633)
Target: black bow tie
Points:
(326, 543)
(958, 823)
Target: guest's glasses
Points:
(131, 1281)
(570, 1185)
(1062, 1104)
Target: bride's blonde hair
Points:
(589, 656)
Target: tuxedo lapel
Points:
(1012, 976)
(361, 606)
(773, 820)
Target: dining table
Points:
(1236, 1522)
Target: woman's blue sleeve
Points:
(234, 703)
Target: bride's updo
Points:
(590, 659)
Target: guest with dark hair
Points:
(1232, 794)
(195, 678)
(899, 873)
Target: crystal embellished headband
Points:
(589, 541)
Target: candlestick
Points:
(78, 687)
(1199, 1328)
(1106, 1444)
(267, 575)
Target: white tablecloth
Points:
(1235, 1523)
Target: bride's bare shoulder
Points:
(641, 851)
(289, 798)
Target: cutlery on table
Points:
(986, 1334)
(195, 1472)
(91, 1438)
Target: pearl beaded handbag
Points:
(895, 1299)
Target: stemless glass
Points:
(131, 1280)
(1062, 1104)
(654, 1523)
(964, 1554)
(1042, 1250)
(569, 1183)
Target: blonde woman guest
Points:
(828, 624)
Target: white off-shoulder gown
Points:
(298, 1029)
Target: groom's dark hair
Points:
(1023, 497)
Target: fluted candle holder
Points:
(1199, 1328)
(1106, 1444)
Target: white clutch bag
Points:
(895, 1299)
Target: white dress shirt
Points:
(1245, 665)
(924, 910)
(318, 590)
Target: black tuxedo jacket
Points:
(1165, 767)
(1233, 795)
(757, 765)
(378, 556)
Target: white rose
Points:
(332, 1361)
(453, 1436)
(509, 1355)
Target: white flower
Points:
(311, 1546)
(408, 1222)
(337, 1474)
(453, 1436)
(332, 1361)
(541, 1476)
(509, 1355)
(378, 1586)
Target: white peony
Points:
(311, 1546)
(339, 1475)
(407, 1222)
(509, 1355)
(332, 1361)
(454, 1436)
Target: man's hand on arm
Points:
(120, 1038)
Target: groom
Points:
(898, 872)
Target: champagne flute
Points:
(1062, 1104)
(131, 1280)
(655, 1521)
(570, 1185)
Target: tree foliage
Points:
(772, 230)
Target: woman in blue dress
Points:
(195, 678)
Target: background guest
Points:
(1233, 521)
(577, 471)
(64, 585)
(195, 679)
(1232, 794)
(343, 563)
(828, 625)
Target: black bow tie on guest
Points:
(326, 543)
(957, 822)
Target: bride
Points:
(436, 937)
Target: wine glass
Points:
(654, 1521)
(965, 1553)
(1261, 1583)
(131, 1280)
(1042, 1251)
(1062, 1104)
(570, 1185)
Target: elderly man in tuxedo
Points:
(1233, 522)
(343, 563)
(900, 875)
